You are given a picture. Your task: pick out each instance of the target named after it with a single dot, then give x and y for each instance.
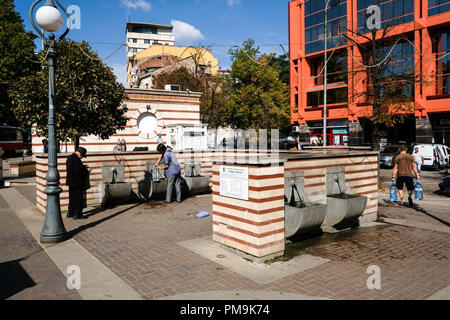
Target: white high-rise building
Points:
(141, 36)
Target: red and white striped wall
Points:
(256, 226)
(169, 107)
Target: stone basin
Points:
(117, 193)
(342, 208)
(299, 221)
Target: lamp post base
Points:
(53, 238)
(53, 230)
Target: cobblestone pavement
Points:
(26, 271)
(139, 244)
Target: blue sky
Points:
(217, 24)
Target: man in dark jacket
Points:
(76, 174)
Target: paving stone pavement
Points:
(140, 244)
(26, 271)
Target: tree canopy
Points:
(88, 98)
(16, 51)
(260, 100)
(255, 95)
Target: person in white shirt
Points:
(418, 159)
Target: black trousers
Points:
(75, 202)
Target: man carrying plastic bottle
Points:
(404, 165)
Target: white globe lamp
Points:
(49, 18)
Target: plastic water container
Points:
(393, 193)
(418, 191)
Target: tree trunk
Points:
(76, 142)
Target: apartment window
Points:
(438, 7)
(148, 30)
(134, 40)
(135, 50)
(146, 41)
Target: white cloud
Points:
(232, 3)
(137, 4)
(184, 32)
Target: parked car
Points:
(444, 185)
(388, 154)
(432, 154)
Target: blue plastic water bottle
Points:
(393, 193)
(418, 191)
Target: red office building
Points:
(426, 26)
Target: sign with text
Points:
(234, 182)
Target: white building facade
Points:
(141, 36)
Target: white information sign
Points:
(234, 182)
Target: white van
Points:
(446, 152)
(432, 154)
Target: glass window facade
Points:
(148, 30)
(399, 68)
(441, 48)
(393, 12)
(438, 6)
(337, 68)
(315, 24)
(338, 95)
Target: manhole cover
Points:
(220, 256)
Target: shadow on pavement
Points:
(74, 232)
(418, 209)
(422, 210)
(13, 279)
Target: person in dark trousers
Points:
(173, 172)
(76, 174)
(405, 165)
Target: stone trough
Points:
(343, 209)
(115, 189)
(300, 217)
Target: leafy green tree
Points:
(16, 51)
(281, 64)
(182, 77)
(88, 98)
(215, 106)
(259, 100)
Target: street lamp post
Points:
(325, 80)
(49, 18)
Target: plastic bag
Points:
(418, 191)
(87, 181)
(393, 193)
(202, 214)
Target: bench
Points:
(23, 168)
